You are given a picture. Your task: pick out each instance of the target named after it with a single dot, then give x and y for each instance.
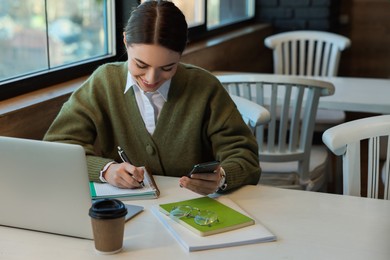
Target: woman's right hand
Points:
(124, 175)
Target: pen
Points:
(124, 158)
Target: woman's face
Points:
(151, 65)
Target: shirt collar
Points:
(162, 90)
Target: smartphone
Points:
(207, 167)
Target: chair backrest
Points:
(292, 103)
(357, 139)
(307, 53)
(252, 113)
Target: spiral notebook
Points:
(105, 190)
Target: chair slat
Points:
(310, 56)
(284, 119)
(272, 132)
(386, 173)
(293, 57)
(373, 167)
(334, 60)
(286, 59)
(319, 59)
(296, 119)
(302, 57)
(259, 99)
(325, 70)
(278, 57)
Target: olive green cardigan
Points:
(198, 123)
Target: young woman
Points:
(167, 116)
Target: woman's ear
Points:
(124, 39)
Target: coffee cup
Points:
(108, 224)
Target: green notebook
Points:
(228, 218)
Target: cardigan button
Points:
(149, 149)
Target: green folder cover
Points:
(229, 219)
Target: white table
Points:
(308, 225)
(358, 95)
(351, 94)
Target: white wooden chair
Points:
(310, 53)
(287, 157)
(345, 140)
(252, 113)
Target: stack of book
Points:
(234, 226)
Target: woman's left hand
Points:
(202, 183)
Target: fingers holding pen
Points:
(136, 173)
(125, 175)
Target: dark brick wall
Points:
(287, 15)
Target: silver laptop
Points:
(44, 186)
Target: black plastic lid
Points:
(107, 209)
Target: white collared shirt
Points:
(145, 107)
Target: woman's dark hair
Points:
(157, 22)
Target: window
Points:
(46, 42)
(225, 12)
(193, 11)
(44, 35)
(219, 15)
